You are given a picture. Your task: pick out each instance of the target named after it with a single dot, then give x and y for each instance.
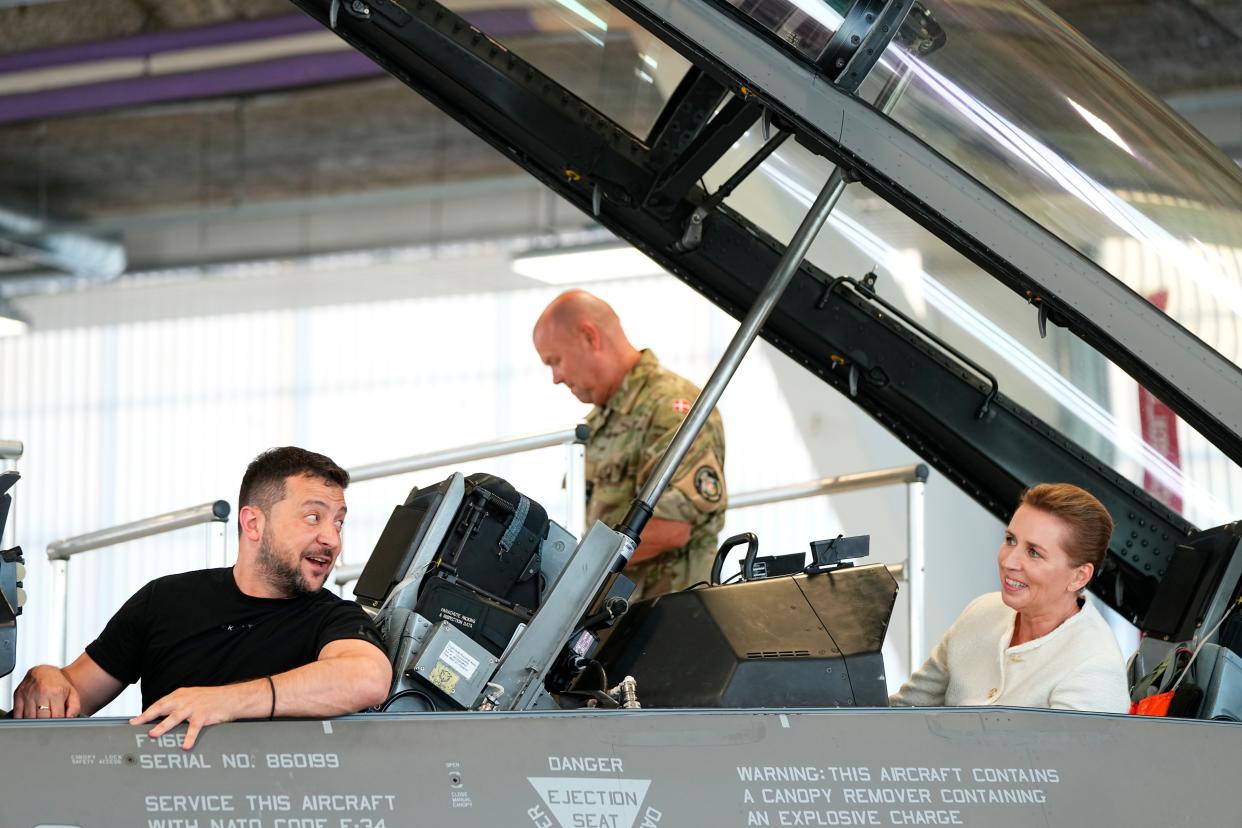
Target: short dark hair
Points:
(1089, 523)
(263, 484)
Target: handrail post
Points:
(914, 570)
(217, 544)
(575, 486)
(59, 612)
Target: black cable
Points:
(431, 704)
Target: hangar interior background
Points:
(313, 254)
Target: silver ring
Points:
(42, 707)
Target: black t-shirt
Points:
(197, 629)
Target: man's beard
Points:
(284, 577)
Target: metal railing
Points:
(572, 438)
(214, 515)
(911, 570)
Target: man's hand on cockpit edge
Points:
(46, 693)
(202, 706)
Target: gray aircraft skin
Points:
(1051, 185)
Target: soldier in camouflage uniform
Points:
(638, 407)
(629, 434)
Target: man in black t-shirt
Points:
(258, 640)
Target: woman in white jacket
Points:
(1038, 642)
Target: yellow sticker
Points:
(444, 678)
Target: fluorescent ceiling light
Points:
(575, 265)
(12, 321)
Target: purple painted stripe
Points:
(502, 22)
(496, 22)
(302, 70)
(281, 73)
(149, 44)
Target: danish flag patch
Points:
(681, 406)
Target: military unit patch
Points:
(707, 484)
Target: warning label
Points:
(592, 803)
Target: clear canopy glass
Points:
(1021, 102)
(1064, 382)
(591, 49)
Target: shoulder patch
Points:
(681, 406)
(707, 484)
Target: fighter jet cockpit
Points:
(468, 572)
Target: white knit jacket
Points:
(1077, 666)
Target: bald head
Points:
(580, 338)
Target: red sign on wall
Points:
(1158, 426)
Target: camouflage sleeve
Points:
(698, 485)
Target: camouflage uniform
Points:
(628, 436)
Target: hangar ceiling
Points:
(292, 143)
